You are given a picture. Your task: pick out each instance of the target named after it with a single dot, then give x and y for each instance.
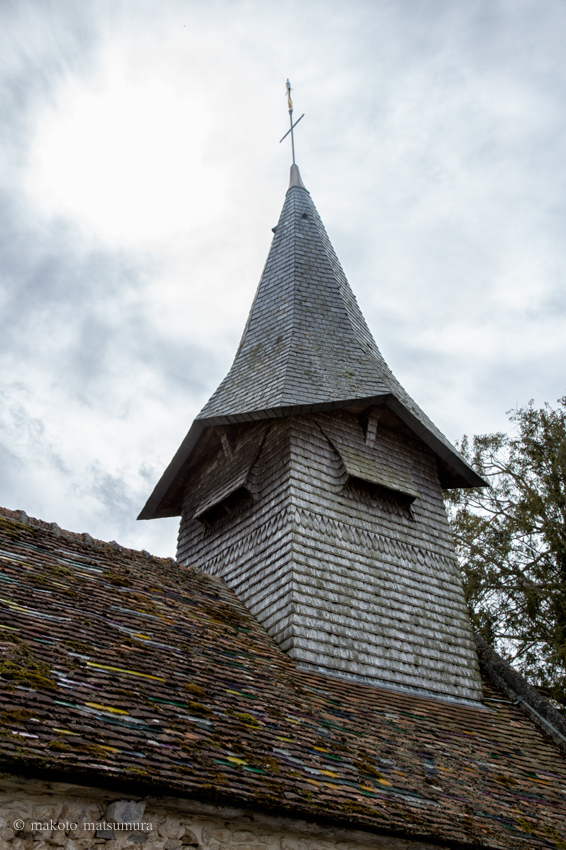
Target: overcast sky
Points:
(140, 176)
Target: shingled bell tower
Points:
(312, 484)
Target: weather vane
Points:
(290, 105)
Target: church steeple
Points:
(305, 347)
(311, 482)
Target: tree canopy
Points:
(511, 542)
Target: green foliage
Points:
(511, 543)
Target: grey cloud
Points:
(82, 306)
(42, 43)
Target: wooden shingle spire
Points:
(306, 342)
(311, 483)
(306, 347)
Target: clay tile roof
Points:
(121, 668)
(306, 346)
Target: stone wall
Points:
(46, 816)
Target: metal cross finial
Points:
(290, 105)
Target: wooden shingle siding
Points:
(322, 507)
(252, 551)
(387, 583)
(349, 582)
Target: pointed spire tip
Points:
(295, 179)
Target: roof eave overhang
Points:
(462, 473)
(156, 506)
(166, 501)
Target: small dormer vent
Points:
(365, 463)
(225, 481)
(237, 498)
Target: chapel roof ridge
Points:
(83, 539)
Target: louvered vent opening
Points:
(232, 504)
(373, 494)
(365, 465)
